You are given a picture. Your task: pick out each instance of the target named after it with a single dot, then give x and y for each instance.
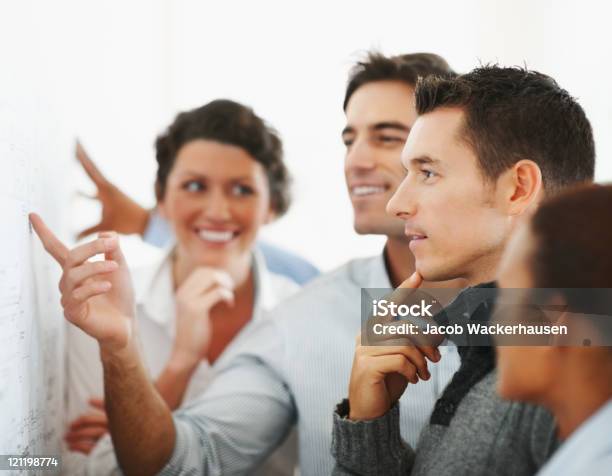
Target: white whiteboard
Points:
(34, 155)
(31, 324)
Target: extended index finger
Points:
(90, 168)
(50, 242)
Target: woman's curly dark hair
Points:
(227, 122)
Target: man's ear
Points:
(521, 187)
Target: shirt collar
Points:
(472, 304)
(265, 297)
(589, 443)
(155, 289)
(374, 273)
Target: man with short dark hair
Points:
(484, 150)
(292, 370)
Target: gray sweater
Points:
(471, 430)
(485, 436)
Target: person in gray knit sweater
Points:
(486, 148)
(471, 430)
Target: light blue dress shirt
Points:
(156, 318)
(278, 261)
(293, 369)
(587, 451)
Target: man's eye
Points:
(391, 139)
(242, 190)
(428, 174)
(193, 186)
(347, 142)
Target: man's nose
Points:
(402, 204)
(360, 157)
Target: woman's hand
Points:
(85, 431)
(202, 290)
(97, 296)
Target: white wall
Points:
(125, 68)
(571, 41)
(289, 61)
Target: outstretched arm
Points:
(97, 297)
(119, 212)
(140, 422)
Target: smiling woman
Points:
(220, 178)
